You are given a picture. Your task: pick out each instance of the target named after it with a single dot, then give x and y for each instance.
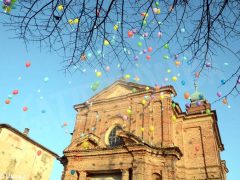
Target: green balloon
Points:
(166, 57)
(166, 46)
(173, 105)
(208, 111)
(140, 44)
(144, 22)
(157, 4)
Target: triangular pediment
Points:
(118, 89)
(89, 141)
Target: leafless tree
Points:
(98, 33)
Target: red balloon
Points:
(148, 57)
(39, 152)
(28, 64)
(25, 108)
(130, 34)
(197, 74)
(15, 92)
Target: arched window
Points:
(156, 176)
(113, 139)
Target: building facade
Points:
(130, 131)
(21, 158)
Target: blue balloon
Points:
(72, 172)
(223, 82)
(183, 83)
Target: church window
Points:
(115, 140)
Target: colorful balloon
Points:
(127, 76)
(174, 78)
(186, 95)
(224, 101)
(115, 27)
(70, 21)
(7, 2)
(39, 152)
(76, 21)
(174, 118)
(143, 102)
(177, 63)
(107, 68)
(136, 58)
(46, 79)
(98, 73)
(140, 44)
(199, 103)
(219, 94)
(148, 57)
(208, 64)
(25, 108)
(166, 46)
(183, 83)
(151, 128)
(208, 111)
(130, 34)
(150, 49)
(60, 7)
(28, 64)
(15, 92)
(7, 101)
(223, 82)
(159, 34)
(187, 105)
(106, 42)
(125, 117)
(166, 57)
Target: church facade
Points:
(130, 131)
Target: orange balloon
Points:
(186, 95)
(177, 63)
(224, 101)
(7, 101)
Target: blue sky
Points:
(57, 96)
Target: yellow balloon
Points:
(129, 111)
(151, 128)
(115, 27)
(142, 129)
(98, 74)
(127, 76)
(106, 42)
(70, 21)
(60, 7)
(76, 21)
(85, 145)
(143, 101)
(174, 118)
(162, 96)
(174, 78)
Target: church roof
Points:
(121, 88)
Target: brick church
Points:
(130, 131)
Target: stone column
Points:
(125, 174)
(83, 175)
